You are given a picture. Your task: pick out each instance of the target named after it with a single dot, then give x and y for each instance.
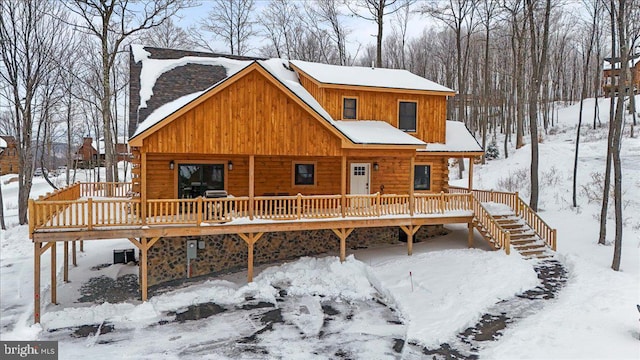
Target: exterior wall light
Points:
(171, 165)
(376, 167)
(230, 165)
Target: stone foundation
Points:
(167, 259)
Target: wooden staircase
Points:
(523, 237)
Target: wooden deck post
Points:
(470, 173)
(470, 239)
(342, 234)
(143, 188)
(66, 262)
(36, 282)
(410, 230)
(343, 185)
(412, 199)
(143, 268)
(90, 214)
(81, 245)
(250, 262)
(251, 185)
(250, 239)
(54, 285)
(74, 259)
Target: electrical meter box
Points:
(192, 249)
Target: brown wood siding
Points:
(312, 88)
(274, 174)
(375, 105)
(250, 116)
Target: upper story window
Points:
(407, 114)
(349, 108)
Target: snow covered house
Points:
(92, 153)
(241, 161)
(611, 75)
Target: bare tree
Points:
(231, 21)
(376, 10)
(587, 49)
(624, 89)
(539, 44)
(278, 21)
(111, 22)
(328, 12)
(168, 35)
(30, 31)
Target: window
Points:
(349, 108)
(304, 174)
(195, 179)
(422, 177)
(407, 116)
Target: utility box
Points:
(192, 249)
(200, 244)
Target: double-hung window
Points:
(349, 108)
(407, 115)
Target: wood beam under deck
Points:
(275, 226)
(343, 233)
(410, 231)
(144, 244)
(250, 239)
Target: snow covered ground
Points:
(427, 298)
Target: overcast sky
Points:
(363, 32)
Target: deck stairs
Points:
(523, 237)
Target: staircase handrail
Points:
(501, 236)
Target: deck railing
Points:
(500, 236)
(88, 213)
(105, 189)
(513, 200)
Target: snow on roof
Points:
(366, 76)
(458, 139)
(375, 132)
(152, 69)
(606, 65)
(165, 110)
(100, 147)
(3, 143)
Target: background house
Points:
(611, 74)
(92, 153)
(9, 155)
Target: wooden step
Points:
(528, 240)
(533, 252)
(521, 235)
(528, 247)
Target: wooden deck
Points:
(95, 211)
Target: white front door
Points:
(359, 178)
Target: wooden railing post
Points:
(442, 202)
(32, 217)
(199, 211)
(516, 204)
(554, 235)
(378, 205)
(90, 213)
(507, 243)
(299, 206)
(343, 199)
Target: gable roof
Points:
(368, 76)
(279, 72)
